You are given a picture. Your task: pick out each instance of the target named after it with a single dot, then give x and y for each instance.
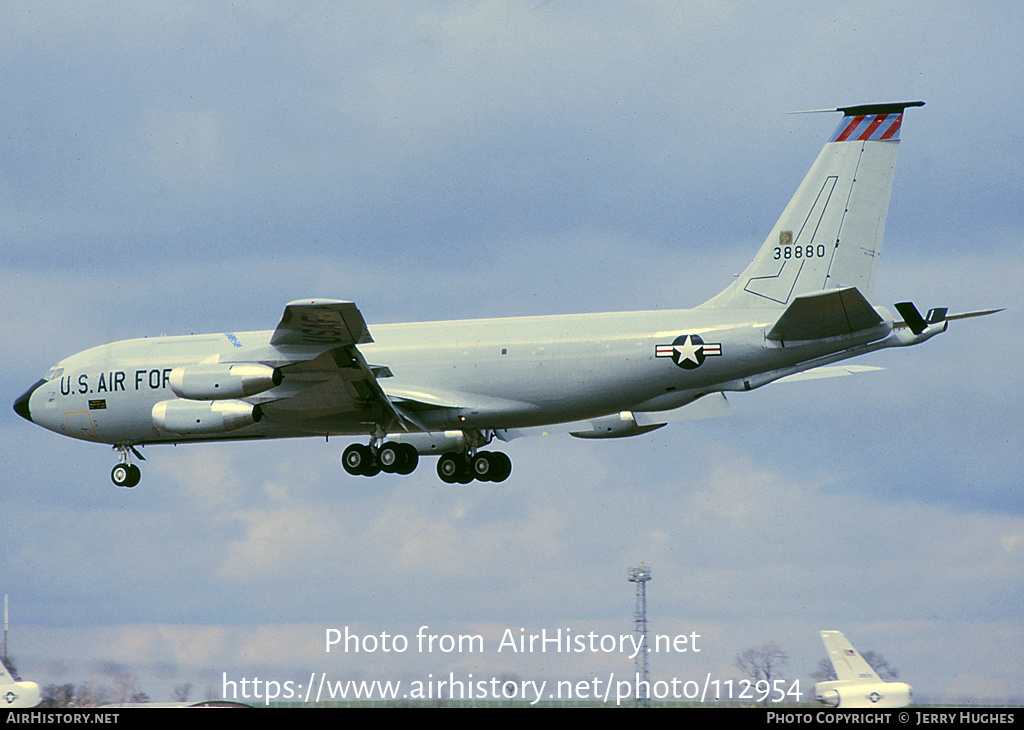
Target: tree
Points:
(89, 696)
(762, 663)
(181, 692)
(127, 688)
(57, 695)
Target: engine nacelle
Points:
(191, 418)
(877, 694)
(222, 380)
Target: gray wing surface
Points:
(328, 385)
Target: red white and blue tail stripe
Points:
(872, 122)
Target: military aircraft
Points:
(16, 694)
(451, 388)
(858, 685)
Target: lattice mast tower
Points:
(640, 576)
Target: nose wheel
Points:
(126, 474)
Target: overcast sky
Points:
(168, 168)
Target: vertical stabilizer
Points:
(850, 666)
(830, 234)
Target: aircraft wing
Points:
(321, 321)
(833, 371)
(825, 314)
(628, 423)
(326, 377)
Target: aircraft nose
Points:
(21, 405)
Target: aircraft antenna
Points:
(640, 576)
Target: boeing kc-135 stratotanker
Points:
(452, 388)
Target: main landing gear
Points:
(402, 458)
(126, 474)
(484, 466)
(390, 458)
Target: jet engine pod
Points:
(191, 418)
(222, 380)
(846, 694)
(828, 697)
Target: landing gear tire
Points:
(356, 459)
(502, 467)
(482, 466)
(390, 457)
(125, 475)
(410, 459)
(449, 466)
(486, 466)
(491, 466)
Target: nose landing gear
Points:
(126, 474)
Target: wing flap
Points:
(826, 314)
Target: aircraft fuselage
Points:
(512, 372)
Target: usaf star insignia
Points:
(688, 351)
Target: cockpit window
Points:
(53, 374)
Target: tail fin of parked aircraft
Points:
(830, 234)
(857, 684)
(850, 666)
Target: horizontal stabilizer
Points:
(968, 315)
(827, 314)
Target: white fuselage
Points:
(480, 374)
